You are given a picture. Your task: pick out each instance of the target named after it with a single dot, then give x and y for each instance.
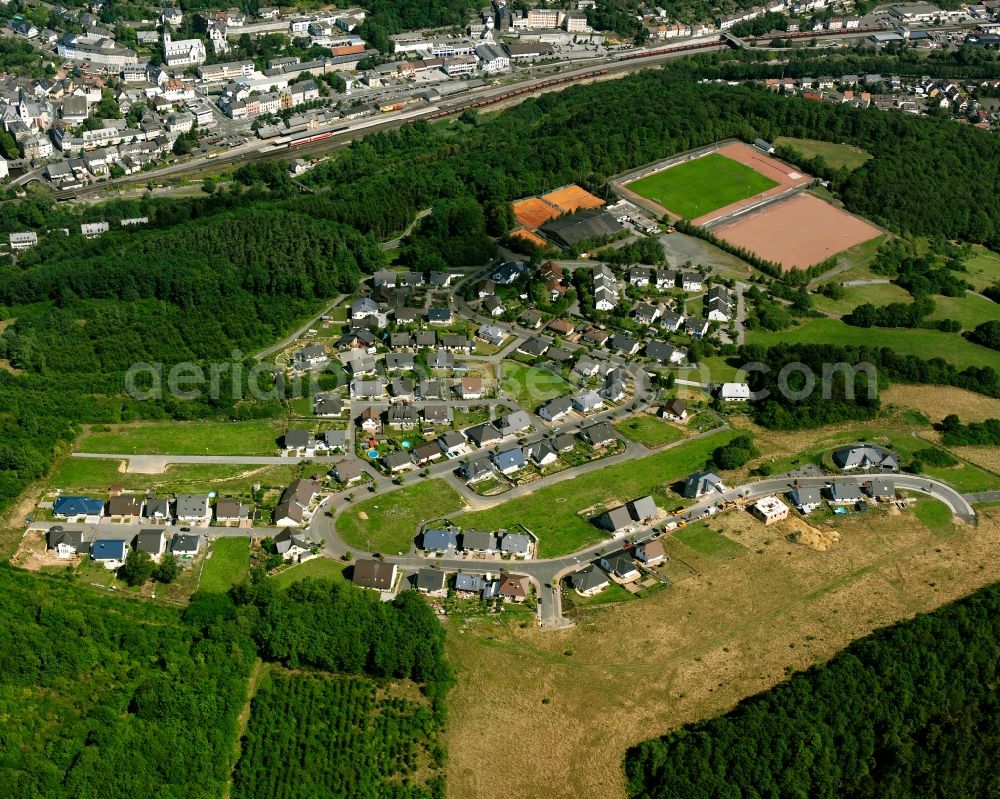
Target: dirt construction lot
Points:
(797, 232)
(574, 701)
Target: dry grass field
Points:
(558, 722)
(936, 402)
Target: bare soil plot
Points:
(797, 232)
(572, 198)
(638, 669)
(533, 212)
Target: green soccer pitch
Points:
(695, 188)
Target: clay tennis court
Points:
(527, 235)
(797, 232)
(571, 198)
(533, 212)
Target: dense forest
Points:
(113, 699)
(911, 710)
(320, 737)
(109, 697)
(978, 434)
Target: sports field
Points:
(697, 187)
(797, 232)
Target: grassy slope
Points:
(187, 438)
(879, 294)
(228, 565)
(531, 386)
(836, 155)
(552, 513)
(697, 187)
(80, 475)
(650, 430)
(315, 567)
(393, 519)
(969, 310)
(983, 268)
(923, 343)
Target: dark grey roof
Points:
(439, 540)
(588, 224)
(589, 578)
(430, 580)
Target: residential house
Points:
(620, 566)
(479, 541)
(439, 316)
(637, 512)
(650, 552)
(125, 508)
(233, 512)
(185, 545)
(294, 502)
(867, 457)
(491, 334)
(555, 409)
(192, 508)
(493, 305)
(402, 389)
(431, 582)
(476, 585)
(514, 588)
(690, 281)
(587, 402)
(626, 345)
(699, 484)
(675, 410)
(541, 453)
(474, 471)
(78, 509)
(399, 461)
(311, 356)
(734, 392)
(719, 304)
(589, 581)
(561, 327)
(333, 440)
(511, 424)
(152, 541)
(109, 552)
(881, 489)
(399, 362)
(671, 321)
(347, 471)
(402, 417)
(471, 388)
(443, 542)
(370, 420)
(845, 492)
(426, 453)
(368, 389)
(327, 404)
(645, 314)
(533, 348)
(453, 444)
(374, 574)
(806, 499)
(157, 510)
(483, 435)
(564, 442)
(292, 544)
(65, 543)
(401, 341)
(586, 366)
(599, 435)
(509, 461)
(639, 275)
(531, 318)
(441, 359)
(298, 439)
(437, 413)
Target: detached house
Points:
(65, 543)
(193, 508)
(474, 471)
